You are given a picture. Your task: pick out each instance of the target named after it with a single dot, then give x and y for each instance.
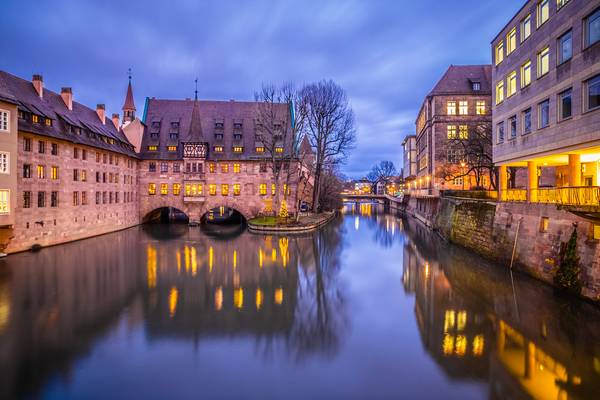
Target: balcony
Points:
(567, 196)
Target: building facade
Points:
(455, 109)
(409, 149)
(546, 112)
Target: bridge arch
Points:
(165, 214)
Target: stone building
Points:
(456, 107)
(546, 113)
(409, 149)
(68, 171)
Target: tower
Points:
(129, 105)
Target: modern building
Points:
(546, 112)
(456, 109)
(409, 148)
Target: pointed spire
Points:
(129, 105)
(195, 132)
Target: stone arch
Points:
(159, 213)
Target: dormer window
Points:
(155, 128)
(175, 127)
(173, 135)
(260, 149)
(476, 86)
(172, 148)
(237, 125)
(152, 148)
(238, 149)
(47, 121)
(278, 149)
(218, 149)
(237, 136)
(219, 136)
(219, 125)
(35, 119)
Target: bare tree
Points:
(329, 126)
(382, 172)
(471, 156)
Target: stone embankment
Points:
(305, 224)
(492, 229)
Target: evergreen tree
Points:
(283, 211)
(567, 275)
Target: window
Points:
(592, 28)
(218, 149)
(4, 118)
(236, 168)
(260, 149)
(476, 86)
(26, 170)
(48, 121)
(225, 168)
(500, 132)
(512, 123)
(511, 41)
(152, 167)
(164, 188)
(164, 168)
(152, 188)
(451, 131)
(237, 189)
(278, 149)
(75, 174)
(177, 167)
(543, 62)
(225, 189)
(4, 201)
(171, 148)
(84, 154)
(527, 121)
(273, 189)
(595, 231)
(41, 199)
(41, 147)
(53, 199)
(41, 172)
(451, 108)
(262, 188)
(525, 28)
(499, 92)
(511, 83)
(526, 74)
(463, 107)
(544, 113)
(565, 47)
(238, 149)
(27, 199)
(176, 189)
(454, 156)
(480, 107)
(564, 104)
(4, 163)
(592, 93)
(84, 198)
(212, 189)
(152, 148)
(463, 132)
(212, 167)
(262, 167)
(560, 4)
(26, 144)
(499, 52)
(54, 149)
(83, 175)
(75, 198)
(543, 12)
(75, 152)
(544, 222)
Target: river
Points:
(371, 306)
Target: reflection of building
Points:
(547, 103)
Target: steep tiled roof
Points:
(52, 106)
(458, 79)
(161, 114)
(129, 103)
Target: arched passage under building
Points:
(223, 220)
(164, 215)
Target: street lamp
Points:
(462, 166)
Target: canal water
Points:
(372, 306)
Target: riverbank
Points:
(306, 223)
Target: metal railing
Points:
(570, 196)
(471, 194)
(515, 195)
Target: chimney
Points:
(115, 120)
(38, 84)
(67, 95)
(100, 110)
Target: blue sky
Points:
(386, 54)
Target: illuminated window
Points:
(286, 189)
(463, 132)
(164, 188)
(4, 201)
(511, 83)
(212, 167)
(41, 172)
(596, 231)
(35, 118)
(193, 189)
(451, 129)
(4, 118)
(263, 189)
(511, 41)
(172, 148)
(225, 189)
(560, 4)
(152, 148)
(480, 107)
(525, 28)
(176, 189)
(463, 107)
(53, 172)
(543, 62)
(451, 108)
(499, 52)
(260, 149)
(48, 121)
(152, 188)
(278, 149)
(224, 168)
(84, 176)
(499, 92)
(237, 189)
(212, 189)
(526, 74)
(544, 223)
(218, 149)
(543, 12)
(238, 149)
(236, 168)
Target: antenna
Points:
(196, 91)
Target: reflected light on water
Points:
(173, 295)
(4, 308)
(278, 295)
(234, 259)
(356, 223)
(259, 298)
(151, 268)
(219, 298)
(194, 261)
(238, 298)
(211, 257)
